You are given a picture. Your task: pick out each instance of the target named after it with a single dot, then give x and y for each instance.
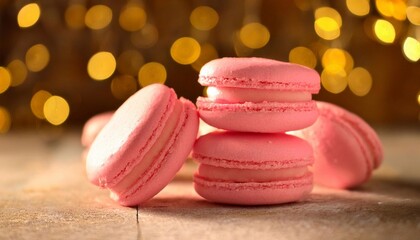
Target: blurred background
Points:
(63, 61)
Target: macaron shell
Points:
(254, 193)
(259, 73)
(265, 117)
(168, 164)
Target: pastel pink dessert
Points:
(93, 126)
(258, 95)
(346, 148)
(252, 168)
(143, 145)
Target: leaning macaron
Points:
(93, 126)
(346, 148)
(143, 145)
(258, 95)
(252, 168)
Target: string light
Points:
(56, 110)
(358, 7)
(328, 13)
(101, 66)
(303, 56)
(98, 17)
(132, 18)
(254, 35)
(392, 8)
(18, 72)
(384, 31)
(37, 103)
(338, 58)
(5, 120)
(185, 50)
(411, 49)
(208, 52)
(5, 79)
(129, 62)
(75, 16)
(333, 79)
(413, 15)
(418, 97)
(327, 28)
(123, 86)
(28, 15)
(146, 37)
(152, 72)
(204, 18)
(360, 81)
(37, 57)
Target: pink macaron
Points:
(346, 148)
(144, 144)
(93, 126)
(252, 168)
(258, 95)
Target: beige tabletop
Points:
(44, 195)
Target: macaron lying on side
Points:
(258, 95)
(144, 144)
(252, 168)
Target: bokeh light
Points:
(56, 110)
(146, 37)
(75, 16)
(358, 7)
(204, 18)
(37, 103)
(37, 57)
(338, 58)
(98, 17)
(101, 66)
(303, 56)
(129, 62)
(152, 72)
(360, 81)
(418, 97)
(208, 53)
(254, 35)
(392, 8)
(327, 28)
(411, 49)
(5, 79)
(329, 13)
(18, 71)
(5, 120)
(132, 18)
(28, 15)
(185, 50)
(413, 15)
(384, 31)
(333, 79)
(123, 86)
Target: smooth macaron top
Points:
(242, 150)
(259, 73)
(137, 124)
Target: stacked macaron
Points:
(254, 162)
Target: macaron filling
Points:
(147, 161)
(250, 175)
(241, 95)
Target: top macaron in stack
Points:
(256, 100)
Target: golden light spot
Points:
(240, 49)
(185, 50)
(303, 56)
(329, 13)
(152, 72)
(75, 16)
(56, 110)
(123, 86)
(5, 79)
(18, 71)
(358, 7)
(28, 15)
(37, 57)
(129, 62)
(327, 28)
(418, 97)
(132, 18)
(101, 65)
(37, 103)
(339, 58)
(204, 18)
(411, 49)
(413, 15)
(5, 120)
(146, 37)
(333, 79)
(384, 31)
(98, 17)
(208, 53)
(254, 35)
(392, 8)
(360, 81)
